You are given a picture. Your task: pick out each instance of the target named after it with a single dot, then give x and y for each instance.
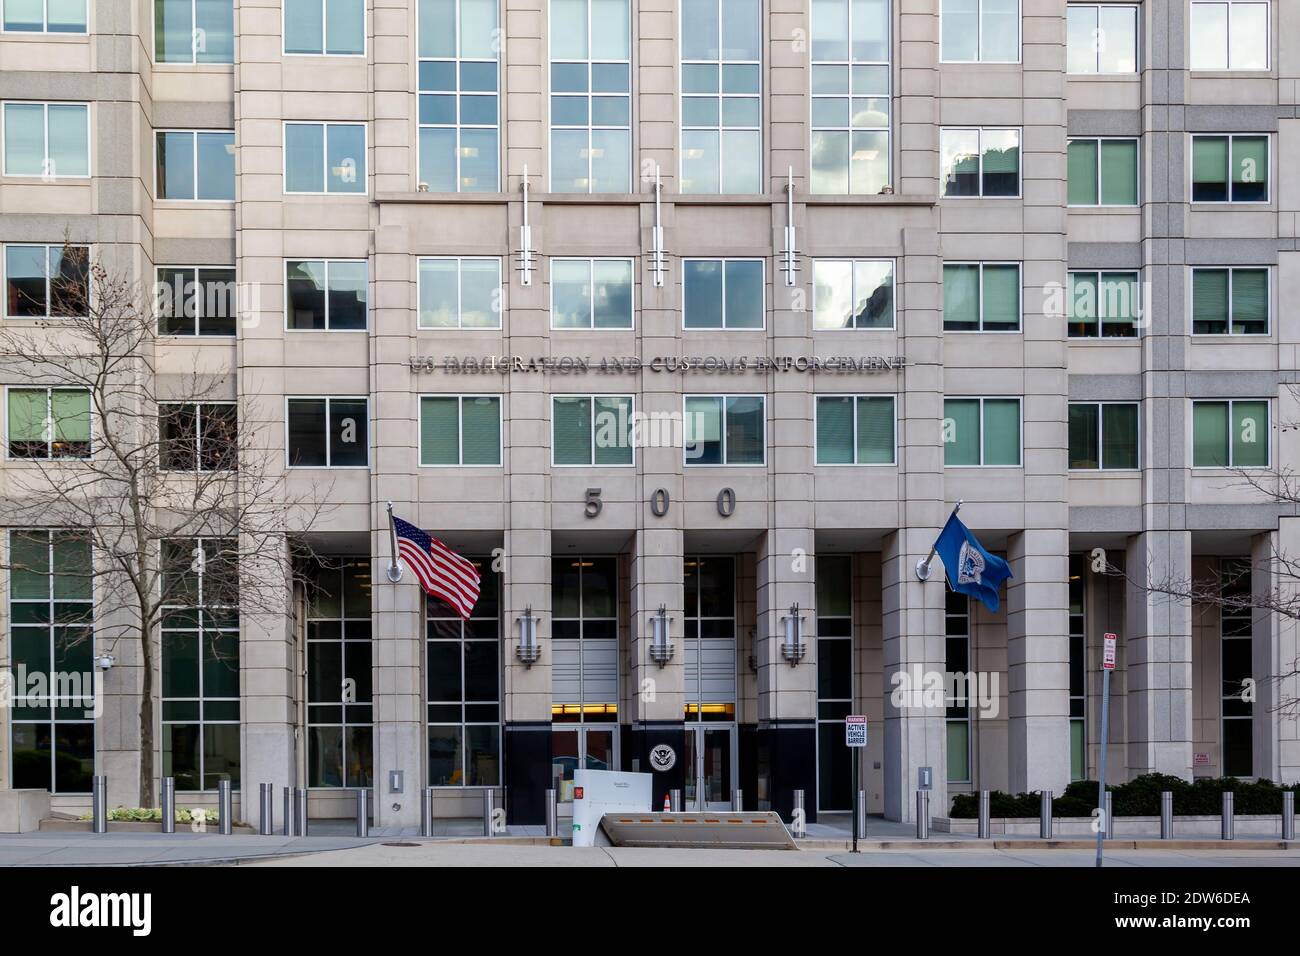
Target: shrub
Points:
(1140, 797)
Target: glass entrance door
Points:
(710, 766)
(572, 748)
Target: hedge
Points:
(1140, 797)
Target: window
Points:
(722, 108)
(46, 282)
(853, 293)
(1229, 169)
(45, 16)
(195, 165)
(1104, 304)
(47, 423)
(980, 162)
(591, 293)
(325, 27)
(196, 300)
(198, 436)
(460, 430)
(1230, 434)
(850, 97)
(1236, 652)
(326, 294)
(723, 294)
(324, 158)
(464, 689)
(50, 140)
(328, 433)
(458, 110)
(709, 636)
(340, 709)
(591, 109)
(855, 430)
(591, 429)
(983, 31)
(1103, 435)
(194, 31)
(51, 633)
(1230, 35)
(200, 662)
(981, 297)
(1103, 172)
(1078, 670)
(1230, 301)
(981, 431)
(1101, 38)
(957, 660)
(834, 681)
(460, 294)
(724, 429)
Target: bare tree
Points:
(164, 485)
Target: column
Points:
(658, 690)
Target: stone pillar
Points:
(658, 691)
(1276, 647)
(526, 747)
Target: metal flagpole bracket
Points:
(394, 569)
(923, 569)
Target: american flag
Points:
(442, 572)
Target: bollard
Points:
(1166, 815)
(489, 804)
(288, 812)
(426, 812)
(922, 814)
(798, 815)
(1226, 819)
(300, 824)
(552, 814)
(266, 809)
(862, 813)
(169, 805)
(99, 804)
(675, 800)
(1045, 815)
(985, 827)
(363, 812)
(1110, 815)
(737, 801)
(225, 808)
(1288, 815)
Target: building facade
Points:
(690, 321)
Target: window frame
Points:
(980, 130)
(1229, 136)
(1137, 185)
(855, 463)
(460, 294)
(194, 150)
(724, 396)
(49, 281)
(853, 291)
(1231, 465)
(1098, 320)
(1227, 37)
(324, 157)
(1101, 437)
(1137, 39)
(198, 437)
(591, 272)
(1268, 302)
(196, 269)
(326, 262)
(966, 720)
(1020, 298)
(329, 445)
(1020, 405)
(45, 138)
(49, 412)
(365, 39)
(46, 32)
(723, 260)
(979, 40)
(460, 428)
(193, 60)
(591, 397)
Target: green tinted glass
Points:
(481, 434)
(961, 297)
(439, 431)
(875, 430)
(1002, 431)
(1209, 301)
(1083, 436)
(1119, 436)
(1250, 434)
(1081, 172)
(571, 430)
(1119, 172)
(1001, 297)
(961, 431)
(835, 431)
(1210, 434)
(613, 430)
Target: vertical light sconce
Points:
(529, 649)
(793, 648)
(661, 648)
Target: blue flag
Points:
(971, 570)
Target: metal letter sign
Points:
(855, 730)
(1108, 655)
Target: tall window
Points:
(199, 436)
(340, 715)
(51, 618)
(591, 101)
(723, 294)
(46, 282)
(48, 423)
(459, 46)
(460, 430)
(324, 157)
(850, 96)
(328, 432)
(957, 660)
(722, 107)
(1236, 662)
(51, 140)
(326, 294)
(325, 27)
(855, 430)
(983, 31)
(196, 300)
(709, 639)
(981, 431)
(1101, 38)
(1103, 435)
(1078, 671)
(1230, 434)
(853, 293)
(1230, 301)
(981, 296)
(591, 430)
(195, 165)
(1103, 172)
(1230, 34)
(200, 662)
(194, 31)
(724, 429)
(979, 162)
(460, 293)
(591, 293)
(1104, 305)
(1230, 169)
(45, 16)
(834, 680)
(464, 689)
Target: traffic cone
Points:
(668, 804)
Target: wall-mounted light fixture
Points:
(530, 648)
(661, 648)
(793, 648)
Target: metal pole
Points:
(856, 791)
(363, 812)
(1226, 819)
(1045, 815)
(985, 827)
(923, 567)
(1288, 815)
(1110, 816)
(225, 808)
(552, 814)
(922, 815)
(799, 816)
(1166, 815)
(489, 805)
(301, 825)
(675, 800)
(1103, 798)
(737, 800)
(426, 811)
(99, 804)
(288, 812)
(862, 813)
(169, 805)
(266, 812)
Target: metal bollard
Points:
(922, 814)
(862, 813)
(300, 824)
(798, 815)
(99, 804)
(288, 812)
(169, 805)
(1166, 815)
(1045, 815)
(363, 812)
(1288, 815)
(266, 809)
(1110, 815)
(1226, 818)
(737, 801)
(426, 812)
(489, 805)
(225, 808)
(552, 814)
(985, 826)
(675, 800)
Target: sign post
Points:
(855, 738)
(1107, 665)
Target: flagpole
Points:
(394, 569)
(923, 567)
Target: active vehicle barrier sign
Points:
(855, 730)
(1108, 654)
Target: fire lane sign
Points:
(855, 730)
